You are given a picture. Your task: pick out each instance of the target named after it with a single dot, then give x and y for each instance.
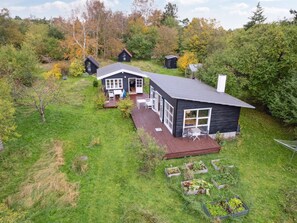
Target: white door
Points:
(161, 108)
(139, 85)
(156, 101)
(168, 116)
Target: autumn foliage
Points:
(184, 61)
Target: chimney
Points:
(221, 85)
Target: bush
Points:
(151, 154)
(184, 61)
(76, 68)
(95, 83)
(100, 101)
(220, 139)
(55, 72)
(80, 165)
(126, 106)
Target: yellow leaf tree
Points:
(184, 61)
(55, 72)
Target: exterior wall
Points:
(171, 63)
(223, 118)
(165, 96)
(93, 67)
(125, 77)
(121, 57)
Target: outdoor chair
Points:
(148, 103)
(110, 95)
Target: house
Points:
(171, 61)
(181, 103)
(125, 56)
(192, 69)
(91, 65)
(121, 76)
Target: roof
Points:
(126, 52)
(171, 56)
(194, 90)
(92, 59)
(195, 67)
(116, 68)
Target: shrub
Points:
(100, 100)
(80, 165)
(76, 68)
(126, 106)
(55, 72)
(95, 83)
(220, 139)
(188, 174)
(184, 61)
(151, 154)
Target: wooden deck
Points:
(114, 102)
(175, 147)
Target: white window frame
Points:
(110, 83)
(166, 109)
(198, 118)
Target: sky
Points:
(230, 14)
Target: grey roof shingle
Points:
(179, 87)
(115, 67)
(92, 59)
(194, 90)
(171, 56)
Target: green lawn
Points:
(113, 191)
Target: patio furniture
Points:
(195, 133)
(118, 93)
(148, 103)
(139, 102)
(110, 95)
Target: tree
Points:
(294, 13)
(144, 7)
(7, 113)
(76, 68)
(42, 94)
(184, 61)
(169, 15)
(55, 72)
(167, 42)
(257, 18)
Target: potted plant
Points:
(196, 186)
(172, 171)
(197, 167)
(220, 164)
(223, 180)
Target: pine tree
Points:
(257, 18)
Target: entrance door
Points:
(139, 85)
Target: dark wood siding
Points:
(125, 77)
(124, 55)
(165, 96)
(93, 67)
(223, 118)
(171, 63)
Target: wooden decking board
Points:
(175, 147)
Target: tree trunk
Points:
(1, 146)
(42, 114)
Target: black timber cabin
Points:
(125, 56)
(181, 103)
(91, 65)
(120, 76)
(171, 61)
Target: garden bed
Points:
(223, 180)
(172, 171)
(223, 209)
(220, 164)
(196, 186)
(197, 167)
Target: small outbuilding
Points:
(192, 69)
(91, 65)
(125, 56)
(171, 61)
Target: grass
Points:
(112, 190)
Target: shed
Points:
(91, 65)
(192, 70)
(171, 61)
(125, 56)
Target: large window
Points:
(168, 116)
(116, 83)
(199, 118)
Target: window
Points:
(139, 82)
(168, 116)
(114, 83)
(197, 118)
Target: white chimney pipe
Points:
(221, 83)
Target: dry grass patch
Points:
(45, 183)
